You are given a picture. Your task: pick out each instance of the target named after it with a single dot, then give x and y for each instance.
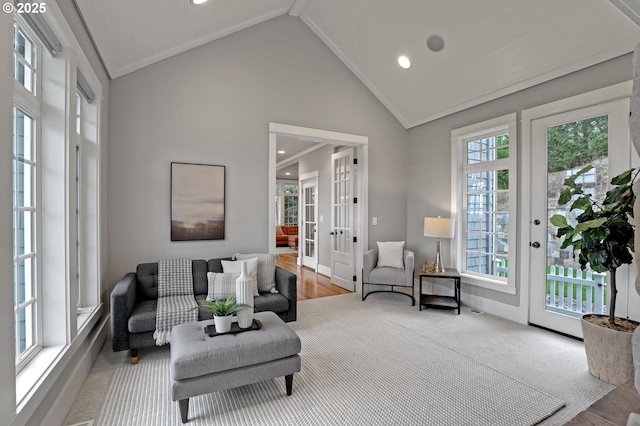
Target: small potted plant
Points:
(603, 238)
(223, 311)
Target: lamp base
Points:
(439, 265)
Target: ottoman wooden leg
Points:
(184, 409)
(289, 381)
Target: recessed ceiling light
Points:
(404, 62)
(198, 1)
(281, 152)
(287, 173)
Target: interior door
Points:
(342, 219)
(562, 144)
(309, 246)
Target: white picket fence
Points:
(575, 292)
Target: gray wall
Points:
(429, 191)
(212, 105)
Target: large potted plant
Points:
(603, 239)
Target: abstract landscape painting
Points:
(197, 202)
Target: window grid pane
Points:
(488, 149)
(24, 59)
(487, 209)
(24, 226)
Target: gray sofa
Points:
(134, 300)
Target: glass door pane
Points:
(570, 147)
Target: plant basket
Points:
(609, 353)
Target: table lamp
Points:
(438, 227)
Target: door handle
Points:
(535, 244)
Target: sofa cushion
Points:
(147, 278)
(143, 317)
(290, 229)
(390, 276)
(270, 302)
(215, 265)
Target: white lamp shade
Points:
(438, 227)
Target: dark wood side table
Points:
(442, 302)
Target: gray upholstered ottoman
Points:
(201, 364)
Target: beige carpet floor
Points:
(548, 362)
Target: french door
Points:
(562, 144)
(309, 246)
(342, 219)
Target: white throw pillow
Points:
(252, 270)
(266, 270)
(221, 286)
(391, 254)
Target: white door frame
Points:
(606, 94)
(327, 137)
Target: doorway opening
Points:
(282, 132)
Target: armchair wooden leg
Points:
(134, 356)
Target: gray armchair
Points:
(386, 276)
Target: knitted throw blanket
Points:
(176, 302)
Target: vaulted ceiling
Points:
(491, 47)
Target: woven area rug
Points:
(360, 374)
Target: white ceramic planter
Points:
(223, 324)
(609, 353)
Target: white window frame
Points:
(506, 124)
(63, 325)
(29, 103)
(280, 202)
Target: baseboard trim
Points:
(324, 270)
(502, 310)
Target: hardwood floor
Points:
(310, 284)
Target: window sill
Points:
(35, 370)
(34, 374)
(84, 314)
(490, 284)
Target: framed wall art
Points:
(197, 202)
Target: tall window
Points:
(485, 201)
(25, 213)
(290, 204)
(286, 203)
(78, 138)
